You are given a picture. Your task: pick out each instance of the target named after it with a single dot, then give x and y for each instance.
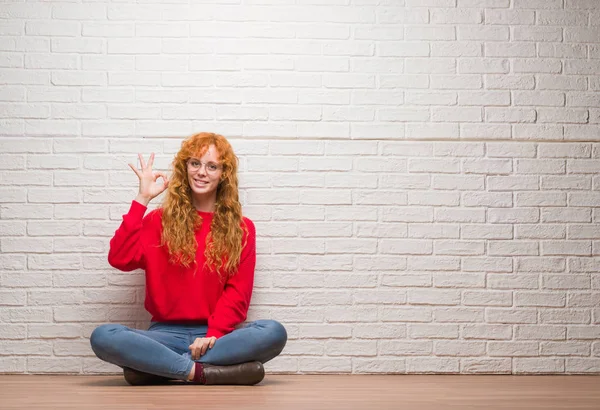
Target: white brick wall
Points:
(422, 174)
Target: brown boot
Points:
(138, 378)
(247, 374)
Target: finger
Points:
(192, 348)
(142, 162)
(198, 349)
(206, 345)
(151, 160)
(159, 174)
(165, 182)
(212, 342)
(134, 170)
(203, 348)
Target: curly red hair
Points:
(180, 218)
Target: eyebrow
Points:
(208, 162)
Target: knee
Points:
(100, 339)
(277, 334)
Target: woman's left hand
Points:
(201, 346)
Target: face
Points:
(204, 173)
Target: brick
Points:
(463, 280)
(540, 332)
(424, 231)
(561, 82)
(456, 15)
(352, 348)
(54, 365)
(13, 331)
(377, 297)
(559, 50)
(587, 299)
(565, 348)
(73, 347)
(511, 316)
(439, 263)
(509, 17)
(438, 130)
(304, 347)
(486, 366)
(487, 33)
(405, 348)
(325, 331)
(457, 315)
(383, 331)
(326, 365)
(52, 331)
(374, 366)
(406, 279)
(429, 98)
(12, 228)
(558, 316)
(543, 264)
(325, 262)
(510, 115)
(509, 82)
(432, 365)
(486, 298)
(486, 332)
(582, 365)
(513, 349)
(432, 331)
(459, 215)
(533, 4)
(405, 314)
(549, 34)
(538, 365)
(350, 314)
(282, 365)
(566, 215)
(459, 348)
(589, 332)
(28, 315)
(12, 365)
(571, 281)
(433, 297)
(488, 264)
(382, 262)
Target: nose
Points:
(201, 169)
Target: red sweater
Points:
(174, 293)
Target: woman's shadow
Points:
(118, 381)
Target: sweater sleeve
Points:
(126, 248)
(232, 306)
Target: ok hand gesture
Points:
(149, 189)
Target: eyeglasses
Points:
(196, 164)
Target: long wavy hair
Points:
(180, 219)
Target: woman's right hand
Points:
(149, 189)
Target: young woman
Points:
(199, 253)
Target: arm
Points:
(126, 248)
(232, 306)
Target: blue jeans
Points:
(163, 349)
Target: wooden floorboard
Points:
(422, 392)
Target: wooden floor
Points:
(367, 392)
